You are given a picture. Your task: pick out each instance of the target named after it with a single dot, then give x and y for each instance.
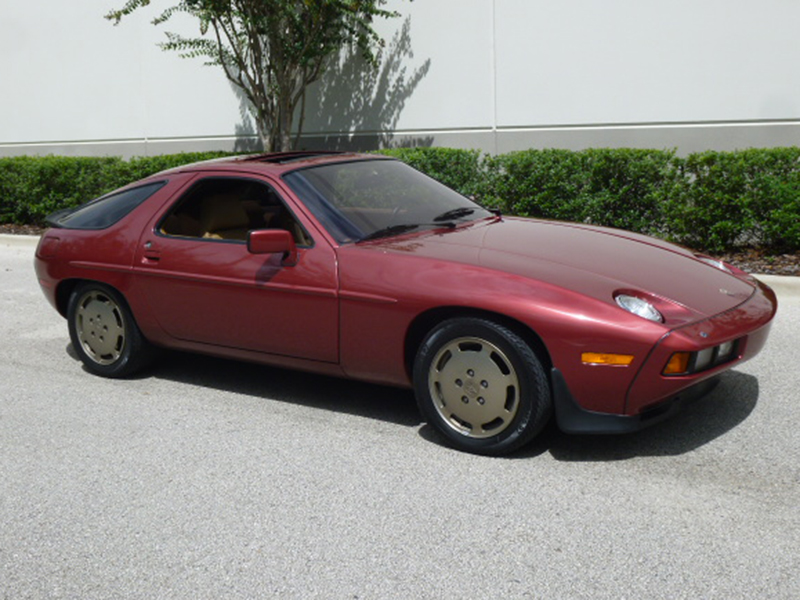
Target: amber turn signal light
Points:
(603, 358)
(678, 363)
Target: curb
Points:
(785, 286)
(10, 240)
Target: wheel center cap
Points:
(471, 388)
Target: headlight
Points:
(718, 264)
(639, 307)
(689, 363)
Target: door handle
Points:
(150, 253)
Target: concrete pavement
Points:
(206, 478)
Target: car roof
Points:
(275, 163)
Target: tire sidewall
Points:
(123, 365)
(534, 403)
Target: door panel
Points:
(215, 292)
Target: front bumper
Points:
(572, 418)
(747, 324)
(651, 396)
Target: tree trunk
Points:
(285, 121)
(264, 133)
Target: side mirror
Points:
(273, 241)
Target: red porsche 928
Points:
(360, 266)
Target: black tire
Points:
(104, 333)
(481, 386)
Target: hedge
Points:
(712, 201)
(726, 200)
(616, 188)
(31, 187)
(458, 169)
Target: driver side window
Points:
(227, 208)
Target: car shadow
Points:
(284, 385)
(72, 354)
(697, 424)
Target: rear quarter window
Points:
(105, 211)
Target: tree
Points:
(273, 49)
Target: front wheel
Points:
(104, 333)
(481, 386)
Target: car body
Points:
(359, 266)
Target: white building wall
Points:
(492, 74)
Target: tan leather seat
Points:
(223, 217)
(181, 224)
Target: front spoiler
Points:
(571, 418)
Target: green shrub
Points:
(456, 168)
(732, 199)
(711, 201)
(775, 197)
(780, 227)
(626, 188)
(621, 188)
(712, 209)
(536, 183)
(32, 187)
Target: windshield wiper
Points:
(455, 213)
(402, 228)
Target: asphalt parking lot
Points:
(207, 478)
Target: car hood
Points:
(593, 261)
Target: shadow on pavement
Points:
(283, 385)
(697, 424)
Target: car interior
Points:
(227, 208)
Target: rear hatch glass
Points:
(105, 211)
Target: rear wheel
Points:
(481, 385)
(104, 333)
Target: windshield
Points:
(367, 199)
